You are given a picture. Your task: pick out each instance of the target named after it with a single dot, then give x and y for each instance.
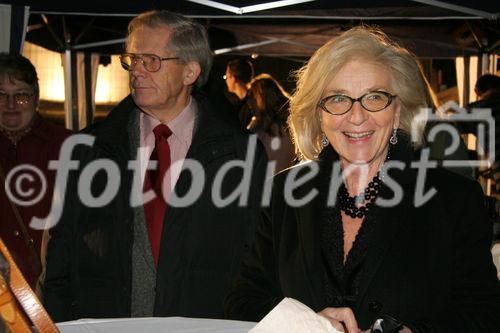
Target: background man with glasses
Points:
(25, 139)
(157, 259)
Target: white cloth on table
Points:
(155, 325)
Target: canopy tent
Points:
(430, 28)
(293, 27)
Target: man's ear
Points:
(191, 73)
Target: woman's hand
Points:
(341, 318)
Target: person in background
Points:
(268, 103)
(442, 140)
(239, 72)
(487, 89)
(26, 140)
(157, 258)
(365, 247)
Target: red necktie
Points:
(155, 209)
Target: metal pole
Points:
(68, 87)
(461, 9)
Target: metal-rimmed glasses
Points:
(151, 62)
(21, 98)
(339, 104)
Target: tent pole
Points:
(51, 31)
(461, 9)
(103, 43)
(248, 9)
(485, 64)
(68, 87)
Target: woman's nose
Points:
(358, 114)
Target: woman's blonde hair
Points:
(362, 42)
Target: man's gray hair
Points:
(189, 38)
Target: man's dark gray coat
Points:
(99, 262)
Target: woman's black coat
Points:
(429, 266)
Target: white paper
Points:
(291, 316)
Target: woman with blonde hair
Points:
(364, 231)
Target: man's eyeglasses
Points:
(340, 104)
(151, 62)
(19, 98)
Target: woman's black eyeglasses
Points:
(19, 98)
(340, 104)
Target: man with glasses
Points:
(157, 259)
(26, 141)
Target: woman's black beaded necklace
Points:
(359, 205)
